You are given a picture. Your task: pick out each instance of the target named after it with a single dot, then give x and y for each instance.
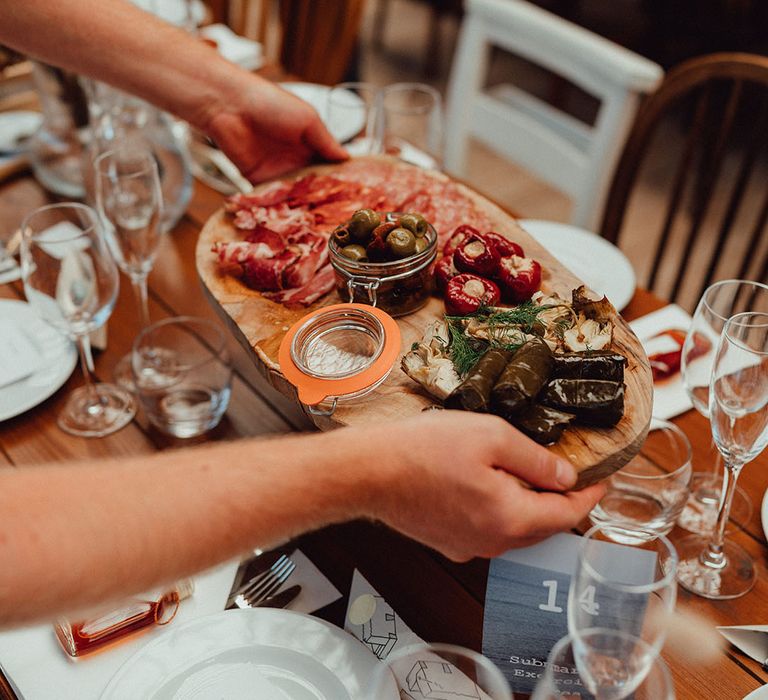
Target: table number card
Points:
(526, 603)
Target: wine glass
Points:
(437, 670)
(129, 199)
(738, 414)
(71, 279)
(412, 116)
(625, 591)
(352, 114)
(719, 302)
(575, 669)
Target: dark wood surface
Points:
(440, 600)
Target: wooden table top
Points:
(440, 600)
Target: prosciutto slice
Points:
(318, 286)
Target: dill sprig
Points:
(466, 351)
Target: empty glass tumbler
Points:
(647, 495)
(182, 375)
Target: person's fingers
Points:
(546, 513)
(319, 139)
(521, 456)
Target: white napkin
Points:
(41, 670)
(9, 268)
(316, 590)
(751, 639)
(19, 358)
(237, 49)
(669, 396)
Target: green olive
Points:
(341, 235)
(363, 222)
(415, 223)
(355, 252)
(401, 242)
(421, 244)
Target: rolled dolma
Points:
(593, 401)
(474, 393)
(543, 424)
(589, 365)
(522, 378)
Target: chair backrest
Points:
(244, 17)
(575, 157)
(713, 225)
(315, 40)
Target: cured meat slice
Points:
(313, 254)
(269, 197)
(255, 263)
(261, 235)
(280, 218)
(320, 284)
(266, 274)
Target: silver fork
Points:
(265, 584)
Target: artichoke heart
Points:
(502, 334)
(588, 334)
(429, 364)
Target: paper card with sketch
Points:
(416, 676)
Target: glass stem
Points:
(140, 292)
(86, 362)
(708, 493)
(713, 556)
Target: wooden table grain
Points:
(440, 600)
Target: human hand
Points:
(449, 482)
(266, 131)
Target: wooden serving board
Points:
(260, 324)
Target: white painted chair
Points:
(574, 157)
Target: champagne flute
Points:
(129, 199)
(574, 671)
(354, 107)
(437, 670)
(619, 604)
(738, 414)
(71, 279)
(719, 302)
(412, 130)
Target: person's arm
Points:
(264, 129)
(74, 535)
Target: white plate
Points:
(764, 514)
(59, 354)
(16, 127)
(342, 128)
(595, 261)
(231, 654)
(759, 694)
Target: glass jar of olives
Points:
(385, 261)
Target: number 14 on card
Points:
(586, 599)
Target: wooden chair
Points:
(575, 157)
(713, 224)
(433, 45)
(244, 17)
(317, 40)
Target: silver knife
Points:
(280, 600)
